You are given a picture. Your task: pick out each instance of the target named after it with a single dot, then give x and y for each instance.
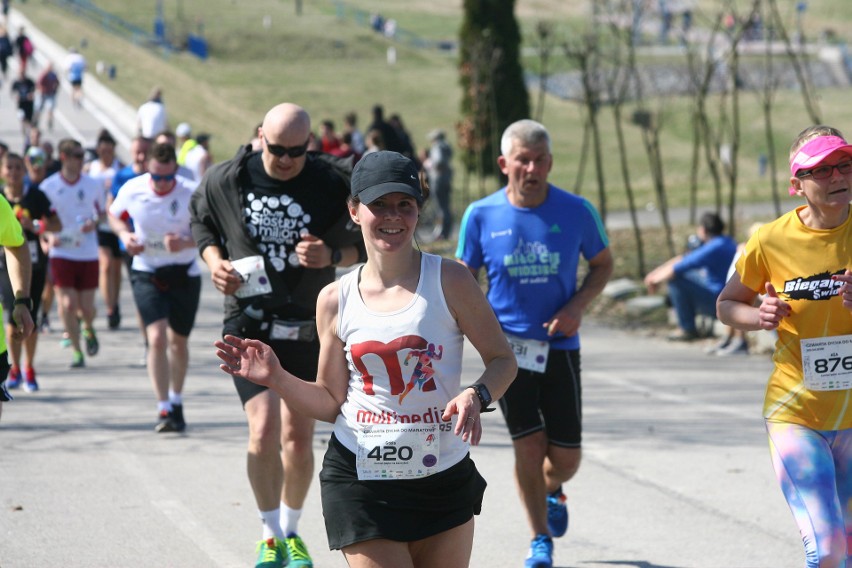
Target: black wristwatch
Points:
(28, 302)
(336, 256)
(483, 395)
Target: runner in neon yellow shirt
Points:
(18, 264)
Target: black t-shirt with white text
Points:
(278, 213)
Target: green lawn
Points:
(333, 66)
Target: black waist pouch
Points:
(293, 329)
(171, 276)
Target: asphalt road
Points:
(676, 470)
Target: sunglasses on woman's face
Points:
(281, 151)
(824, 172)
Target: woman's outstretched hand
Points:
(249, 359)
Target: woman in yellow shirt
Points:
(801, 263)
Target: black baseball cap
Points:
(383, 172)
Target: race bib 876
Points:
(827, 363)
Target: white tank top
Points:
(404, 366)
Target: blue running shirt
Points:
(531, 257)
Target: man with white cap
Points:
(184, 142)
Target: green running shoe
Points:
(77, 361)
(298, 552)
(271, 553)
(92, 344)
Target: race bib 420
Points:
(398, 451)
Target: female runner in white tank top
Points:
(398, 486)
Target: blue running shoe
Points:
(541, 552)
(271, 553)
(30, 384)
(15, 378)
(557, 513)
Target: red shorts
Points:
(74, 274)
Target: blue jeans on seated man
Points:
(691, 296)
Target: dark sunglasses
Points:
(79, 155)
(281, 151)
(824, 172)
(158, 177)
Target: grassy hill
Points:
(333, 65)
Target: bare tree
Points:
(584, 52)
(650, 123)
(702, 71)
(767, 99)
(545, 41)
(731, 165)
(797, 60)
(622, 75)
(584, 158)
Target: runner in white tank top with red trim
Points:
(389, 376)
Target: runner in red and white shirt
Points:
(79, 201)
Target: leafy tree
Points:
(494, 93)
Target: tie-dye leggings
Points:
(815, 471)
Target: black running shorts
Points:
(108, 240)
(179, 304)
(401, 510)
(300, 358)
(549, 401)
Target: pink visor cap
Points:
(815, 151)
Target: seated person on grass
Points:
(695, 278)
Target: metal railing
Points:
(116, 25)
(396, 34)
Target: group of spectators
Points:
(381, 134)
(436, 160)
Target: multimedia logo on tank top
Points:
(420, 356)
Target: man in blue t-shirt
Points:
(695, 278)
(529, 237)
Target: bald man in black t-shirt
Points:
(272, 226)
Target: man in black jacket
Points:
(272, 226)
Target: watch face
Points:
(484, 395)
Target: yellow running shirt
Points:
(11, 235)
(799, 262)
